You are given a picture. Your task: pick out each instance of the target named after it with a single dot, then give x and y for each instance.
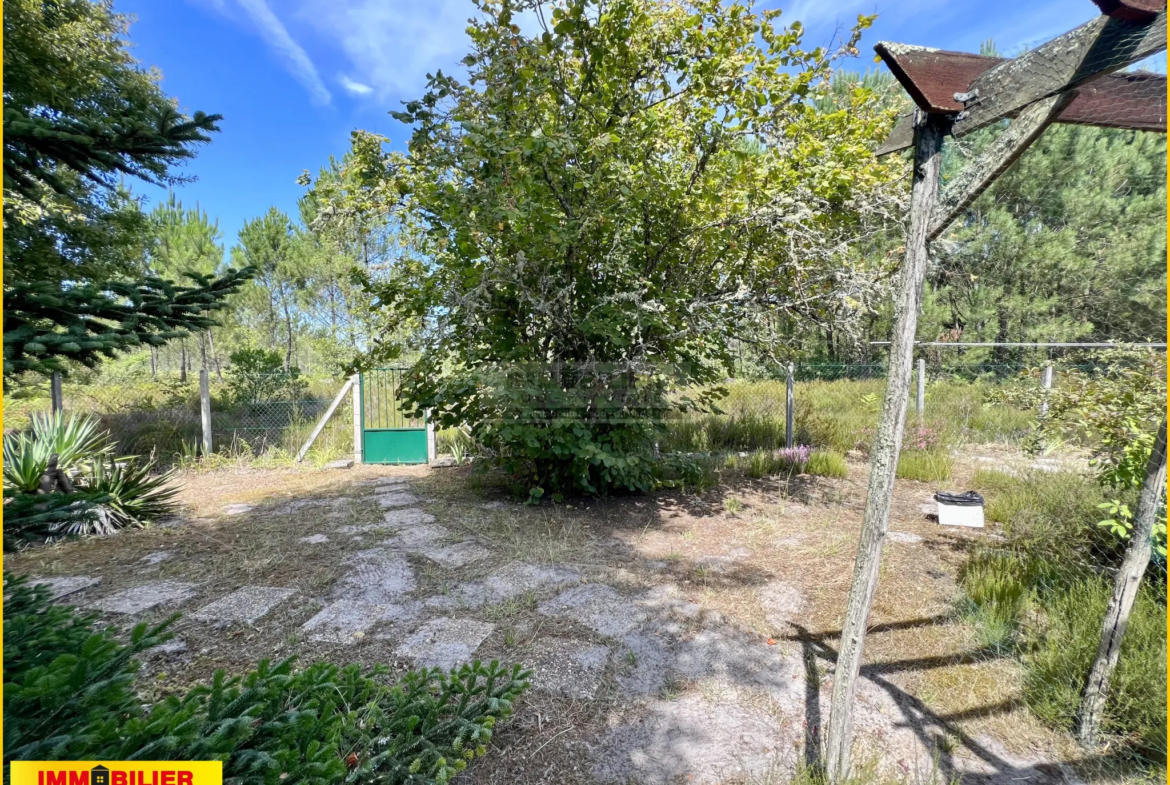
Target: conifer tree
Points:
(80, 117)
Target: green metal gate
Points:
(388, 436)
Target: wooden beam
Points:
(978, 174)
(887, 443)
(1099, 47)
(321, 424)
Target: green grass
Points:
(1041, 596)
(827, 463)
(841, 415)
(924, 465)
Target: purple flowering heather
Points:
(795, 457)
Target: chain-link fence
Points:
(274, 414)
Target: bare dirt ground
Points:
(674, 637)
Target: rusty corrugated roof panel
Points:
(1133, 10)
(1134, 101)
(933, 76)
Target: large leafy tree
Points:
(80, 116)
(602, 204)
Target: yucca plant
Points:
(24, 463)
(132, 495)
(73, 439)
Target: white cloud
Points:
(392, 44)
(352, 87)
(277, 36)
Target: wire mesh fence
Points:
(274, 414)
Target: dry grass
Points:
(718, 548)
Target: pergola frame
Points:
(1068, 80)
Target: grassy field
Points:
(160, 417)
(842, 415)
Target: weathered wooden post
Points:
(928, 135)
(205, 410)
(357, 418)
(789, 405)
(1125, 589)
(55, 400)
(1045, 386)
(920, 401)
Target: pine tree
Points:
(81, 116)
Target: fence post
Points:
(205, 410)
(55, 392)
(920, 403)
(357, 419)
(788, 406)
(1045, 386)
(432, 444)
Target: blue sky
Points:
(294, 77)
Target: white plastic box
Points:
(960, 509)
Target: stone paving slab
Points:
(146, 596)
(393, 519)
(444, 642)
(66, 586)
(600, 608)
(567, 667)
(238, 509)
(396, 499)
(425, 535)
(246, 604)
(156, 557)
(344, 621)
(314, 539)
(458, 555)
(378, 576)
(511, 581)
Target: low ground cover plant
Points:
(70, 693)
(1041, 596)
(103, 493)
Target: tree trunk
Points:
(203, 351)
(928, 137)
(214, 356)
(1125, 589)
(182, 359)
(289, 332)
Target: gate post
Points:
(432, 446)
(357, 418)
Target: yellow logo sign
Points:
(165, 772)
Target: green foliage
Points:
(81, 114)
(1068, 244)
(72, 440)
(69, 694)
(259, 376)
(827, 463)
(925, 465)
(1042, 595)
(1115, 410)
(1059, 657)
(48, 325)
(24, 462)
(594, 195)
(133, 493)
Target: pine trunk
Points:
(182, 359)
(928, 136)
(1125, 589)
